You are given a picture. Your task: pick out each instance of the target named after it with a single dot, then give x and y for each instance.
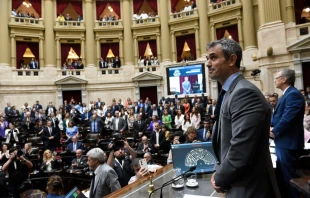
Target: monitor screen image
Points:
(75, 193)
(189, 79)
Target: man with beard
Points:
(204, 135)
(18, 168)
(121, 162)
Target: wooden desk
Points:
(140, 188)
(302, 185)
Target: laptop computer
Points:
(198, 154)
(75, 193)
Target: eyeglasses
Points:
(276, 78)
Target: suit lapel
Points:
(98, 178)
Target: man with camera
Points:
(18, 168)
(120, 161)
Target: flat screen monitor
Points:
(75, 193)
(198, 154)
(189, 79)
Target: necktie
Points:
(205, 134)
(50, 130)
(219, 104)
(74, 146)
(94, 126)
(92, 186)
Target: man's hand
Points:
(216, 188)
(271, 134)
(142, 172)
(156, 146)
(140, 134)
(74, 165)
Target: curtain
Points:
(105, 49)
(16, 3)
(61, 6)
(192, 79)
(65, 48)
(150, 92)
(180, 41)
(153, 5)
(20, 50)
(137, 4)
(100, 6)
(173, 5)
(233, 31)
(116, 7)
(299, 6)
(142, 46)
(153, 47)
(36, 4)
(77, 5)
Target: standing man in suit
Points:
(241, 134)
(211, 109)
(287, 128)
(95, 123)
(186, 85)
(50, 109)
(273, 100)
(7, 109)
(80, 162)
(105, 179)
(38, 106)
(177, 107)
(102, 64)
(139, 127)
(118, 123)
(33, 64)
(50, 137)
(204, 135)
(157, 138)
(98, 103)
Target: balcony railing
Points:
(109, 24)
(70, 72)
(140, 69)
(148, 21)
(184, 15)
(222, 5)
(26, 21)
(69, 24)
(27, 72)
(109, 71)
(297, 32)
(303, 29)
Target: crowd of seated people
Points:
(148, 61)
(73, 64)
(110, 62)
(26, 14)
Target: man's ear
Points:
(232, 60)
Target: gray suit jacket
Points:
(241, 144)
(106, 181)
(121, 124)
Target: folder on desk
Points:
(199, 154)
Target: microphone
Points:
(173, 180)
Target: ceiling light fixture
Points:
(27, 4)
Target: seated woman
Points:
(186, 123)
(55, 187)
(11, 134)
(50, 162)
(152, 124)
(4, 154)
(39, 128)
(28, 150)
(71, 131)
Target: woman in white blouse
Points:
(195, 118)
(186, 123)
(108, 120)
(178, 120)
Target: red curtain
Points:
(16, 3)
(153, 47)
(100, 6)
(77, 5)
(116, 7)
(137, 4)
(142, 46)
(192, 79)
(299, 6)
(61, 6)
(173, 5)
(180, 41)
(105, 49)
(21, 48)
(36, 4)
(65, 48)
(233, 31)
(153, 5)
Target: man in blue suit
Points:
(204, 135)
(186, 85)
(75, 145)
(287, 128)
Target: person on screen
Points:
(55, 187)
(186, 85)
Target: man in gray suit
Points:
(241, 133)
(118, 123)
(104, 179)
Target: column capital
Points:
(239, 18)
(83, 39)
(12, 36)
(134, 37)
(97, 39)
(196, 27)
(57, 39)
(88, 1)
(171, 32)
(121, 38)
(211, 24)
(158, 35)
(41, 38)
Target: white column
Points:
(121, 50)
(135, 44)
(98, 49)
(212, 32)
(58, 54)
(173, 47)
(240, 34)
(158, 47)
(13, 51)
(41, 52)
(197, 42)
(83, 49)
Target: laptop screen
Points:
(199, 154)
(75, 193)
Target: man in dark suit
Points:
(67, 106)
(154, 111)
(50, 109)
(144, 146)
(7, 109)
(75, 145)
(204, 134)
(98, 103)
(33, 64)
(118, 124)
(38, 106)
(80, 162)
(54, 121)
(157, 138)
(139, 128)
(273, 100)
(96, 124)
(86, 115)
(102, 64)
(28, 122)
(287, 128)
(211, 109)
(50, 137)
(241, 134)
(177, 107)
(117, 62)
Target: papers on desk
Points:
(307, 146)
(197, 196)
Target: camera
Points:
(118, 141)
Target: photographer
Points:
(121, 162)
(18, 168)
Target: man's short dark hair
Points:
(228, 47)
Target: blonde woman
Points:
(178, 120)
(49, 161)
(195, 118)
(131, 118)
(55, 187)
(27, 149)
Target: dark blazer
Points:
(38, 107)
(140, 148)
(117, 63)
(210, 110)
(241, 143)
(82, 164)
(176, 109)
(287, 120)
(46, 134)
(54, 110)
(84, 116)
(7, 111)
(102, 64)
(151, 113)
(138, 128)
(97, 105)
(200, 135)
(55, 165)
(79, 145)
(161, 138)
(55, 122)
(99, 121)
(122, 124)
